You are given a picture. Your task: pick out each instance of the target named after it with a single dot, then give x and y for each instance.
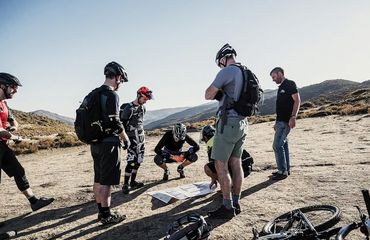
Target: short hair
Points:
(276, 70)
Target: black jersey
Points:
(284, 100)
(169, 143)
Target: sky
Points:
(58, 49)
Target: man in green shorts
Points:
(230, 131)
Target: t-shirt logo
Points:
(282, 91)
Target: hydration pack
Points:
(250, 96)
(89, 119)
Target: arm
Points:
(192, 143)
(211, 92)
(160, 145)
(114, 124)
(296, 105)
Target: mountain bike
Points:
(306, 223)
(314, 222)
(364, 225)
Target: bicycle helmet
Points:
(208, 132)
(179, 132)
(145, 92)
(114, 68)
(192, 226)
(8, 79)
(225, 51)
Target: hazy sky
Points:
(58, 49)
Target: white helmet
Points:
(179, 132)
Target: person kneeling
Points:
(169, 150)
(206, 135)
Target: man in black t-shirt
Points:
(169, 150)
(287, 106)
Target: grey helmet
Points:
(179, 131)
(226, 50)
(8, 79)
(114, 68)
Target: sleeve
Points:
(223, 77)
(293, 88)
(125, 114)
(192, 143)
(112, 113)
(10, 116)
(160, 145)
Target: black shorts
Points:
(136, 150)
(212, 167)
(107, 163)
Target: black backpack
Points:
(247, 163)
(250, 95)
(89, 119)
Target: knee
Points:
(192, 157)
(158, 160)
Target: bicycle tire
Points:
(323, 225)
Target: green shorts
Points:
(230, 142)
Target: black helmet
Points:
(226, 50)
(208, 132)
(114, 68)
(191, 226)
(8, 79)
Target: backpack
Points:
(126, 123)
(89, 121)
(189, 227)
(247, 162)
(250, 95)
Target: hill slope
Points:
(54, 116)
(331, 90)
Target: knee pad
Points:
(21, 181)
(158, 160)
(192, 157)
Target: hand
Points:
(126, 144)
(166, 155)
(292, 122)
(11, 128)
(219, 95)
(213, 184)
(16, 139)
(191, 150)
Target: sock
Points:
(105, 212)
(236, 199)
(133, 176)
(127, 178)
(32, 200)
(100, 207)
(180, 167)
(227, 203)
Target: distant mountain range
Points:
(330, 90)
(54, 116)
(155, 115)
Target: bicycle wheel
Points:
(322, 217)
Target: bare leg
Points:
(237, 179)
(224, 178)
(28, 193)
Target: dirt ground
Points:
(331, 164)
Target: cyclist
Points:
(107, 153)
(206, 135)
(8, 161)
(132, 116)
(169, 150)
